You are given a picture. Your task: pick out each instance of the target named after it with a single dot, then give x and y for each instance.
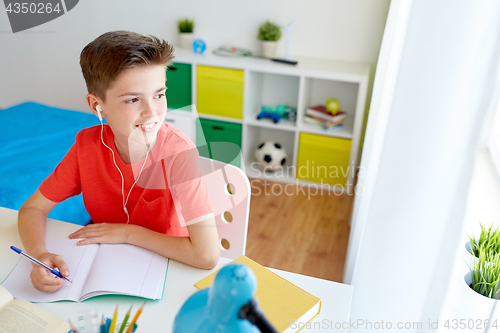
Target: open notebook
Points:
(95, 270)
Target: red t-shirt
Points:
(169, 192)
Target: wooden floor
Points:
(298, 232)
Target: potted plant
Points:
(186, 35)
(269, 34)
(480, 285)
(489, 240)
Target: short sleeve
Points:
(64, 182)
(188, 185)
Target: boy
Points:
(138, 176)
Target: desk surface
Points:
(336, 297)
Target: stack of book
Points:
(317, 115)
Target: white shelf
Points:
(228, 119)
(312, 67)
(306, 84)
(283, 124)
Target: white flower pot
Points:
(468, 258)
(186, 40)
(268, 48)
(474, 309)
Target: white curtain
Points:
(434, 81)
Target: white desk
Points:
(158, 316)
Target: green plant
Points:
(185, 25)
(269, 31)
(489, 239)
(486, 273)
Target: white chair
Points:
(230, 191)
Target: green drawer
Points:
(213, 137)
(179, 85)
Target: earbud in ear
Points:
(99, 110)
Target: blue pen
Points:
(53, 271)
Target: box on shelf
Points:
(323, 159)
(220, 91)
(179, 85)
(219, 140)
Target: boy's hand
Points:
(104, 233)
(44, 280)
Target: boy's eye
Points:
(133, 100)
(160, 95)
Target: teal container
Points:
(179, 85)
(219, 140)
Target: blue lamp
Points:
(226, 307)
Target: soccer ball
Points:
(271, 156)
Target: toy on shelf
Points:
(278, 112)
(332, 106)
(199, 46)
(271, 156)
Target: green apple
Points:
(332, 106)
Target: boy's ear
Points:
(93, 103)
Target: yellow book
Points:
(17, 315)
(282, 301)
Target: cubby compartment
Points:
(316, 91)
(324, 159)
(270, 89)
(256, 135)
(220, 91)
(179, 85)
(219, 140)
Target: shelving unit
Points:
(270, 83)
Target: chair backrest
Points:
(230, 191)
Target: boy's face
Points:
(136, 105)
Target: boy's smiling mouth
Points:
(147, 127)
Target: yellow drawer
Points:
(220, 91)
(323, 159)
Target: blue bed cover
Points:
(33, 140)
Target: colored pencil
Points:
(103, 325)
(129, 329)
(107, 325)
(125, 320)
(113, 322)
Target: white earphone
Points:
(124, 200)
(99, 111)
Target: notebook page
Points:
(78, 258)
(125, 269)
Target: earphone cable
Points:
(124, 201)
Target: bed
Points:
(33, 140)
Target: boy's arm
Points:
(31, 225)
(201, 249)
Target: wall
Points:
(41, 64)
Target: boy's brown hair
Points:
(103, 59)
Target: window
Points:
(494, 136)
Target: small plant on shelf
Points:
(269, 31)
(185, 25)
(269, 34)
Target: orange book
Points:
(281, 300)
